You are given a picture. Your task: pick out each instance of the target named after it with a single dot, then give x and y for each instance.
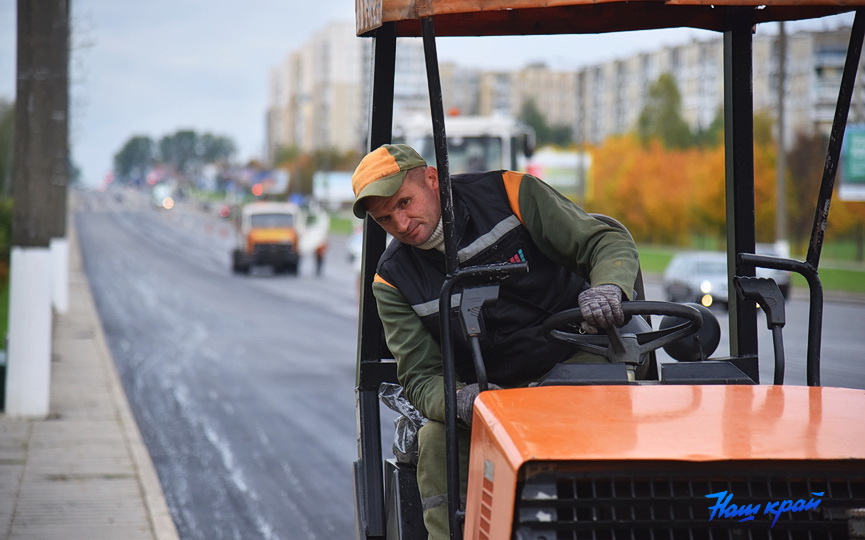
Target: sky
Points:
(152, 68)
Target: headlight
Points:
(706, 287)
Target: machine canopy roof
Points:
(538, 17)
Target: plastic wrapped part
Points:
(406, 426)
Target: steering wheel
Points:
(617, 346)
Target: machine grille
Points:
(669, 501)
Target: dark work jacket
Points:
(487, 231)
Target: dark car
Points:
(701, 277)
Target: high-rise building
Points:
(316, 94)
(319, 96)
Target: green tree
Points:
(661, 117)
(764, 124)
(216, 148)
(135, 158)
(531, 115)
(557, 135)
(712, 135)
(182, 151)
(7, 128)
(186, 151)
(561, 136)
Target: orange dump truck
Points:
(267, 235)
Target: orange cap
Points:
(381, 173)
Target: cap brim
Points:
(383, 187)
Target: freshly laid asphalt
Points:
(83, 472)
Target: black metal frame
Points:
(372, 370)
(374, 363)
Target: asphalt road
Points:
(243, 386)
(842, 360)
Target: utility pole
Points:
(782, 245)
(39, 179)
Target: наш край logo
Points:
(725, 508)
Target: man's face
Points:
(412, 213)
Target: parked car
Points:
(701, 277)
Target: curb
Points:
(151, 490)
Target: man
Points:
(500, 216)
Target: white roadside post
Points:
(39, 254)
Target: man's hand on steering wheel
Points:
(601, 307)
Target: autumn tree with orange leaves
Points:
(671, 192)
(675, 196)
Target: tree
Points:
(805, 162)
(135, 158)
(185, 152)
(561, 136)
(661, 117)
(216, 148)
(182, 151)
(304, 166)
(712, 135)
(557, 135)
(7, 125)
(673, 196)
(532, 117)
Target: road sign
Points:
(852, 187)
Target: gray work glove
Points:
(466, 400)
(601, 307)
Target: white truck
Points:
(475, 143)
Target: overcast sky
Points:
(151, 68)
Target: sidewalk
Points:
(84, 472)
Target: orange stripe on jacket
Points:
(512, 182)
(378, 279)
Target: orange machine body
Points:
(590, 426)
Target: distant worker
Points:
(319, 258)
(574, 260)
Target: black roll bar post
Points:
(739, 165)
(455, 514)
(455, 276)
(809, 268)
(369, 471)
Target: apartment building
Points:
(610, 96)
(319, 96)
(315, 97)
